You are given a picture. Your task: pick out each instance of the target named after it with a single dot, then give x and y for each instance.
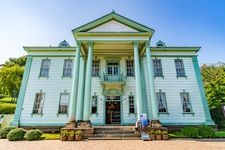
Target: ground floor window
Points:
(161, 99)
(39, 103)
(94, 104)
(131, 104)
(186, 104)
(63, 102)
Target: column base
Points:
(209, 122)
(14, 123)
(71, 124)
(85, 124)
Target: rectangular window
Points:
(180, 68)
(130, 68)
(131, 104)
(95, 68)
(94, 104)
(157, 67)
(67, 68)
(63, 103)
(186, 104)
(45, 65)
(161, 99)
(38, 103)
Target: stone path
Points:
(113, 145)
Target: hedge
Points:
(33, 135)
(7, 108)
(16, 134)
(4, 131)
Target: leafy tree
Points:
(11, 75)
(214, 82)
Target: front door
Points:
(113, 110)
(113, 70)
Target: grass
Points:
(220, 134)
(50, 136)
(179, 134)
(6, 106)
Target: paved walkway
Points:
(113, 145)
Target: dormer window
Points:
(64, 44)
(160, 44)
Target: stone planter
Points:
(78, 138)
(63, 138)
(70, 138)
(152, 137)
(165, 137)
(158, 137)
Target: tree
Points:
(214, 83)
(11, 75)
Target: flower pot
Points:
(63, 138)
(152, 137)
(78, 138)
(165, 137)
(70, 138)
(158, 137)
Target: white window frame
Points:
(157, 67)
(162, 102)
(131, 104)
(67, 67)
(63, 104)
(95, 68)
(186, 102)
(38, 103)
(179, 65)
(45, 66)
(130, 67)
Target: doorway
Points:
(113, 115)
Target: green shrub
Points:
(16, 134)
(7, 108)
(206, 131)
(2, 96)
(4, 131)
(33, 135)
(190, 132)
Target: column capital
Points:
(79, 44)
(90, 43)
(147, 44)
(135, 43)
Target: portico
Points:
(132, 41)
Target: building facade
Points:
(112, 76)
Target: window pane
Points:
(161, 99)
(130, 67)
(39, 103)
(95, 68)
(179, 67)
(157, 67)
(94, 104)
(67, 68)
(131, 104)
(63, 103)
(186, 102)
(45, 64)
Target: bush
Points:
(4, 131)
(190, 132)
(7, 108)
(33, 135)
(206, 131)
(2, 96)
(16, 134)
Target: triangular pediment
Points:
(113, 26)
(113, 22)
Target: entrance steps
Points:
(114, 133)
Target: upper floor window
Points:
(67, 68)
(157, 67)
(130, 68)
(94, 104)
(38, 103)
(45, 65)
(186, 104)
(161, 99)
(95, 68)
(63, 102)
(180, 68)
(131, 104)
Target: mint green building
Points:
(113, 75)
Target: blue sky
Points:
(176, 22)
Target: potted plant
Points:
(158, 135)
(152, 134)
(71, 136)
(63, 135)
(78, 135)
(165, 135)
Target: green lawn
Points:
(6, 106)
(51, 136)
(179, 134)
(6, 100)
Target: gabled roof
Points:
(113, 16)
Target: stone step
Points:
(114, 138)
(115, 135)
(113, 131)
